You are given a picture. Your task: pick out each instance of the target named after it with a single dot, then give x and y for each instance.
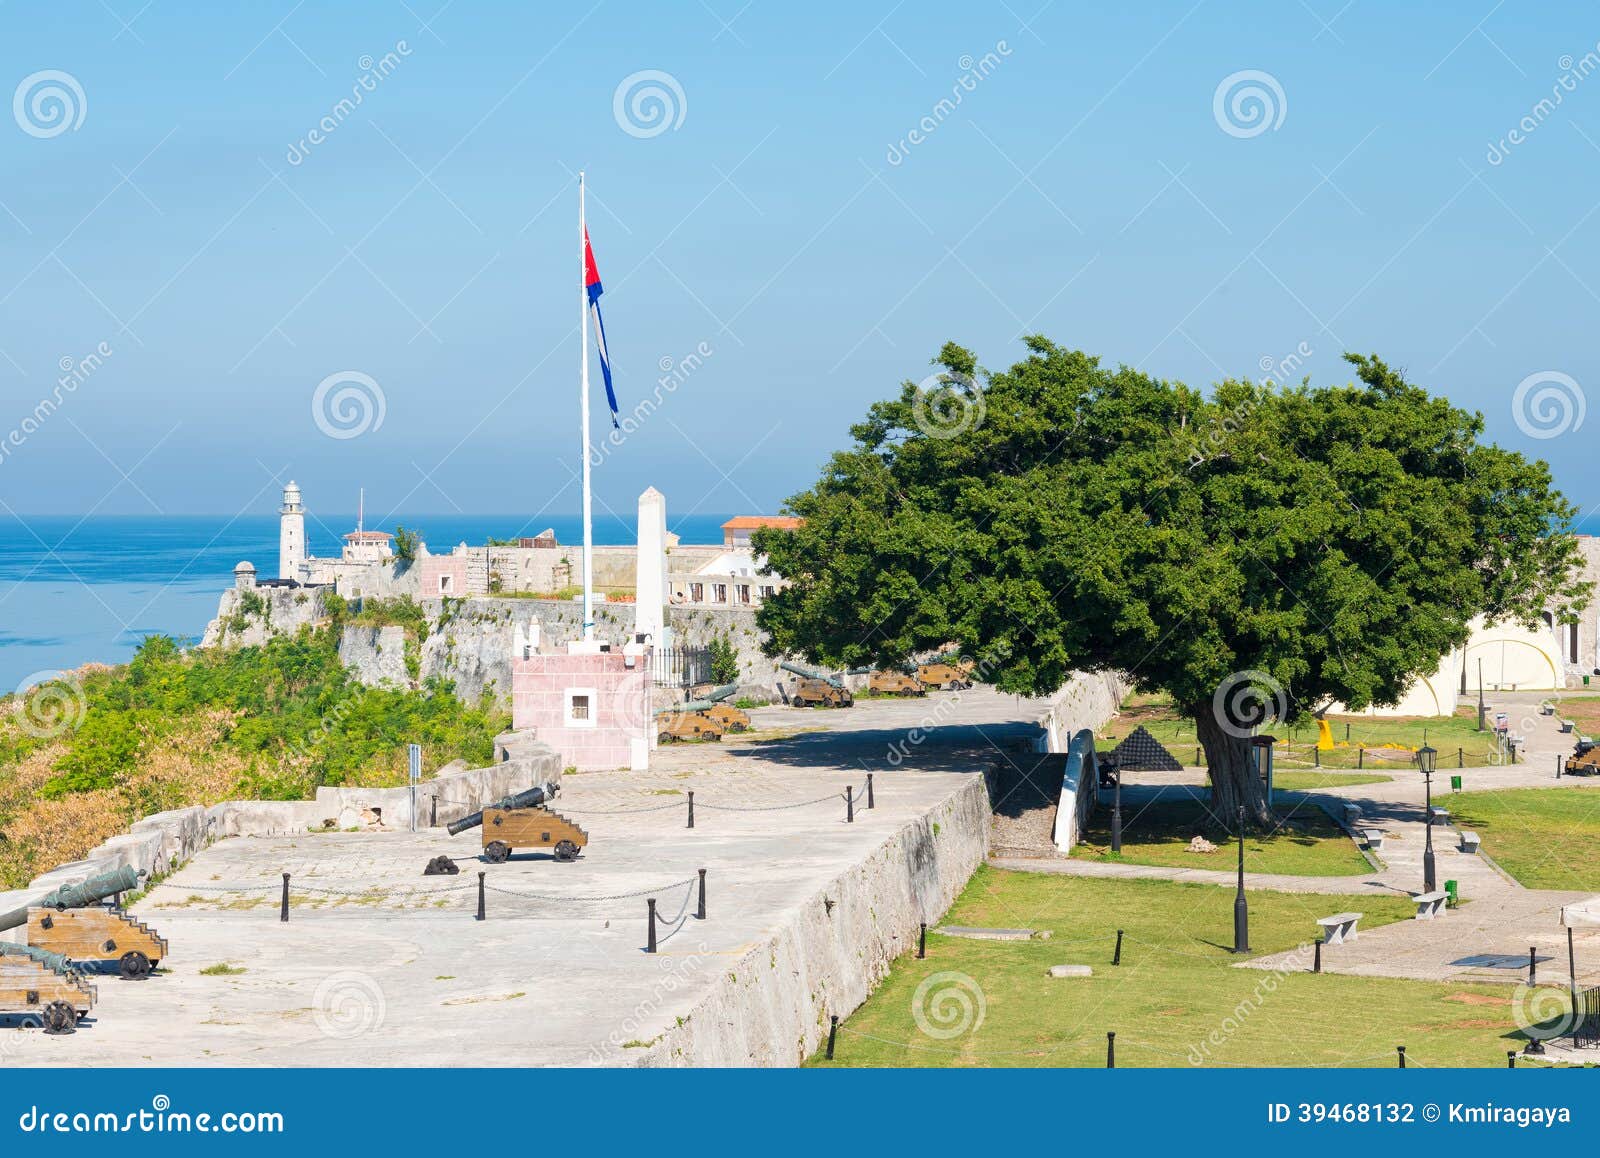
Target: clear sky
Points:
(1090, 184)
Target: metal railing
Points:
(680, 667)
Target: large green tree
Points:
(1258, 553)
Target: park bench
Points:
(1374, 837)
(1339, 928)
(1440, 816)
(1352, 814)
(1567, 725)
(1429, 904)
(1469, 841)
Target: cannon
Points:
(724, 714)
(38, 994)
(817, 688)
(895, 683)
(122, 880)
(528, 798)
(67, 924)
(522, 821)
(688, 721)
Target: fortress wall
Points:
(771, 1006)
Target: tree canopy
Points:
(1308, 544)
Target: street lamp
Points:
(1241, 907)
(1427, 760)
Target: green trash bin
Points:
(1452, 896)
(1455, 784)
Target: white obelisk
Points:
(583, 406)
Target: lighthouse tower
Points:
(291, 534)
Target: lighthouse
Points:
(291, 534)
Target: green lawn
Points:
(1174, 1001)
(1548, 838)
(1309, 843)
(1456, 738)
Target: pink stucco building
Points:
(594, 709)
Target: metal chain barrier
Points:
(768, 807)
(592, 900)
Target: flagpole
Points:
(583, 408)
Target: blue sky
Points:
(1084, 187)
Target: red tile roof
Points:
(755, 522)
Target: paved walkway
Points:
(1498, 915)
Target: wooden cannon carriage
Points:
(505, 830)
(98, 934)
(37, 994)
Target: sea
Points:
(79, 590)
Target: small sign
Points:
(414, 752)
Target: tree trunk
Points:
(1231, 765)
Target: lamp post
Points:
(1427, 760)
(1116, 798)
(1241, 907)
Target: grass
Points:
(1309, 844)
(1457, 739)
(1317, 781)
(1545, 837)
(222, 969)
(1175, 1000)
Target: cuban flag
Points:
(591, 282)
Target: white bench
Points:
(1339, 928)
(1374, 838)
(1352, 814)
(1469, 841)
(1566, 725)
(1429, 904)
(1440, 816)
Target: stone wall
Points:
(471, 643)
(285, 611)
(160, 843)
(771, 1006)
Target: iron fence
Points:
(680, 667)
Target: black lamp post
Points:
(1116, 798)
(1427, 759)
(1241, 907)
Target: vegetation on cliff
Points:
(84, 756)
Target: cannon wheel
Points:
(59, 1017)
(134, 966)
(497, 852)
(566, 851)
(664, 738)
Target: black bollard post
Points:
(1401, 1050)
(1361, 757)
(1111, 1049)
(283, 913)
(1461, 757)
(700, 914)
(849, 804)
(1116, 956)
(691, 810)
(482, 913)
(1511, 1059)
(871, 803)
(1558, 767)
(1316, 961)
(650, 945)
(1316, 757)
(833, 1033)
(433, 811)
(922, 942)
(1533, 966)
(1197, 757)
